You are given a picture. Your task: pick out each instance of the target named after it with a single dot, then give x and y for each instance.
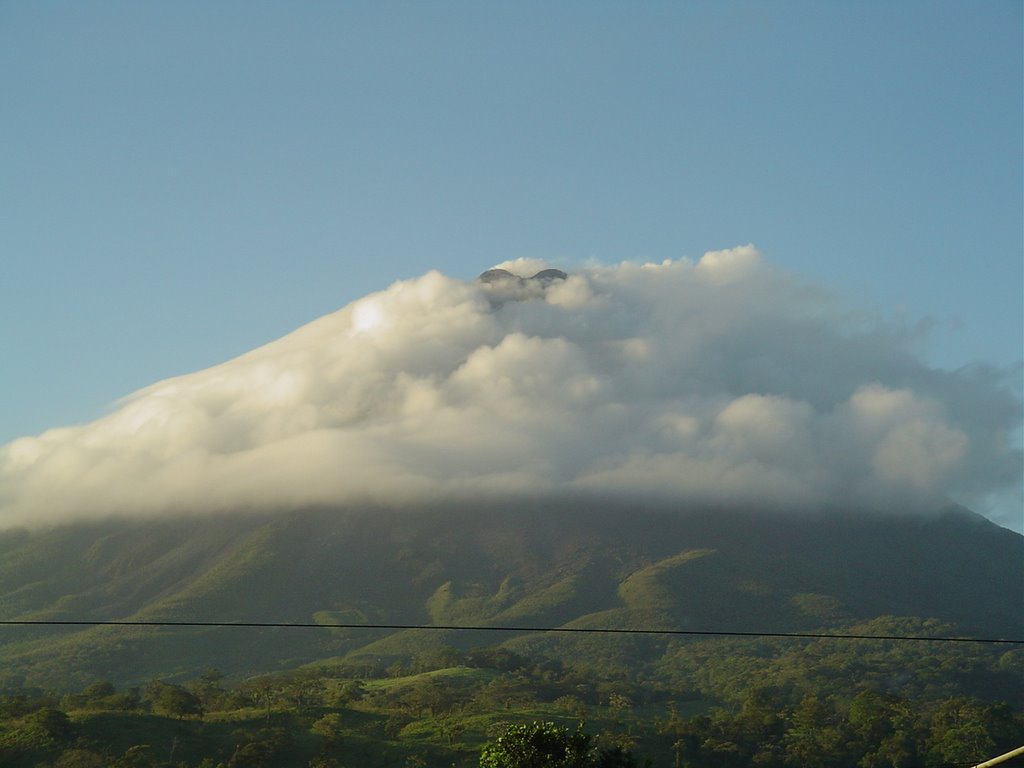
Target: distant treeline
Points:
(707, 703)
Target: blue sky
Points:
(185, 181)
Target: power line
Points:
(522, 629)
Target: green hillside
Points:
(583, 565)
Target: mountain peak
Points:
(497, 274)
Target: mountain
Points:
(530, 564)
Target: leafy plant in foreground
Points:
(545, 745)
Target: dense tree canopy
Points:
(719, 704)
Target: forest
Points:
(704, 702)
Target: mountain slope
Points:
(525, 565)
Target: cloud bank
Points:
(720, 381)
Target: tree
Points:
(262, 749)
(328, 726)
(538, 745)
(173, 700)
(967, 730)
(99, 689)
(353, 690)
(812, 740)
(451, 728)
(302, 689)
(209, 688)
(50, 724)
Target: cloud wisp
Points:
(720, 381)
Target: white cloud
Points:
(721, 381)
(729, 265)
